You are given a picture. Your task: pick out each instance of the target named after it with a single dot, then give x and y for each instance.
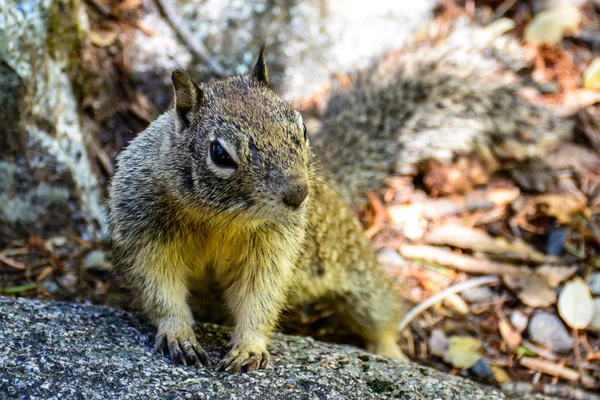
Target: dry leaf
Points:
(462, 351)
(509, 334)
(561, 206)
(555, 275)
(574, 101)
(500, 374)
(456, 302)
(591, 76)
(478, 240)
(504, 196)
(498, 27)
(103, 39)
(399, 214)
(531, 288)
(575, 304)
(549, 26)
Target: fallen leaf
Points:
(550, 25)
(531, 288)
(547, 329)
(478, 240)
(574, 101)
(399, 214)
(504, 196)
(103, 39)
(591, 76)
(575, 304)
(462, 351)
(525, 351)
(19, 289)
(498, 27)
(500, 374)
(456, 302)
(555, 275)
(560, 206)
(509, 334)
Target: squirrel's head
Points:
(248, 148)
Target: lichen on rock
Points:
(46, 146)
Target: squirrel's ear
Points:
(188, 95)
(260, 72)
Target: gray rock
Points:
(307, 40)
(46, 179)
(57, 350)
(593, 281)
(478, 294)
(547, 329)
(519, 320)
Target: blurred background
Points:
(80, 78)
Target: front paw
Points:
(250, 356)
(183, 347)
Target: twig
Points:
(550, 368)
(195, 46)
(471, 283)
(503, 9)
(577, 351)
(12, 263)
(560, 391)
(379, 214)
(459, 261)
(547, 354)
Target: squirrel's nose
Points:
(295, 194)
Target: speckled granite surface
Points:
(52, 350)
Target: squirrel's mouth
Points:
(271, 210)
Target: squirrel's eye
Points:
(305, 135)
(219, 156)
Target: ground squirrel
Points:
(223, 193)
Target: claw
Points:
(183, 349)
(203, 355)
(238, 359)
(160, 343)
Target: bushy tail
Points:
(439, 97)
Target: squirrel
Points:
(223, 191)
(226, 192)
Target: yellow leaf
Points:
(500, 374)
(591, 76)
(562, 207)
(549, 26)
(462, 351)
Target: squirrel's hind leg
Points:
(372, 309)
